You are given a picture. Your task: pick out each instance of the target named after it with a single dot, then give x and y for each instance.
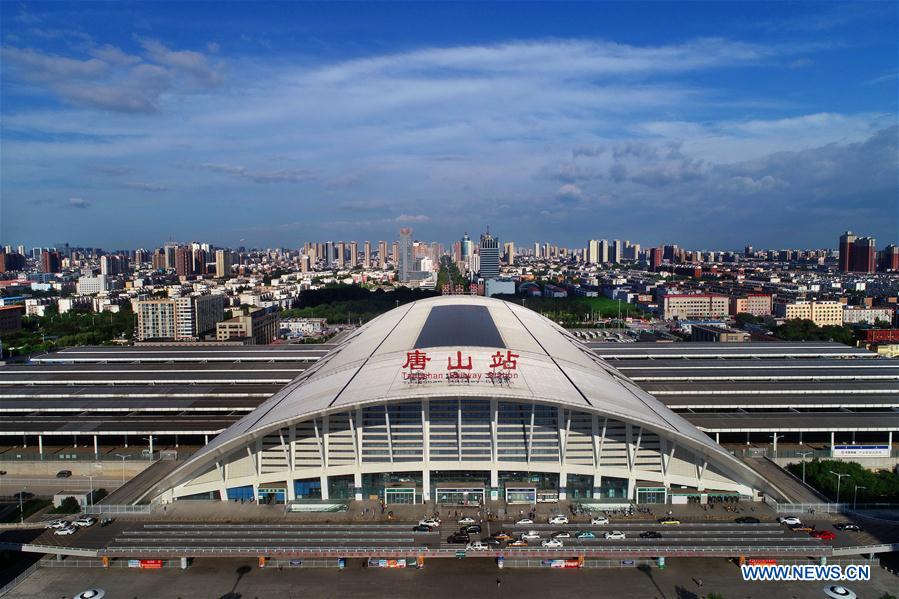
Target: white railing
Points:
(103, 508)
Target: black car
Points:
(848, 526)
(471, 528)
(491, 542)
(747, 520)
(650, 534)
(421, 528)
(64, 474)
(459, 538)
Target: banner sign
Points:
(849, 451)
(458, 367)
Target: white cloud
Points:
(78, 203)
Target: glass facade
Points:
(341, 487)
(310, 488)
(579, 486)
(613, 488)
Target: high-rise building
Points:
(341, 254)
(50, 262)
(159, 260)
(395, 253)
(184, 261)
(655, 259)
(489, 256)
(382, 255)
(509, 253)
(863, 254)
(467, 247)
(593, 251)
(889, 259)
(366, 254)
(615, 252)
(224, 261)
(181, 319)
(845, 259)
(354, 254)
(405, 265)
(170, 250)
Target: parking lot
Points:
(450, 578)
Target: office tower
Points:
(489, 256)
(405, 265)
(655, 259)
(395, 253)
(862, 255)
(224, 260)
(354, 254)
(509, 253)
(382, 255)
(51, 262)
(467, 247)
(889, 259)
(184, 261)
(366, 254)
(845, 259)
(341, 254)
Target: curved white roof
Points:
(370, 367)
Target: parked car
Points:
(789, 520)
(466, 520)
(65, 530)
(559, 519)
(614, 535)
(524, 521)
(421, 528)
(673, 521)
(64, 474)
(472, 528)
(531, 535)
(650, 534)
(477, 546)
(518, 543)
(56, 523)
(850, 526)
(552, 544)
(106, 521)
(458, 538)
(85, 521)
(747, 520)
(802, 528)
(562, 534)
(824, 535)
(493, 542)
(432, 522)
(502, 536)
(585, 534)
(599, 520)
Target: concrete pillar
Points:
(96, 448)
(24, 442)
(800, 437)
(494, 478)
(205, 440)
(176, 441)
(426, 485)
(75, 441)
(184, 563)
(631, 488)
(357, 483)
(151, 446)
(324, 483)
(563, 486)
(889, 440)
(823, 560)
(40, 445)
(126, 441)
(853, 437)
(718, 438)
(747, 438)
(775, 444)
(832, 435)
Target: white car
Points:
(85, 521)
(56, 524)
(525, 521)
(66, 530)
(599, 520)
(432, 522)
(790, 520)
(477, 546)
(552, 544)
(614, 535)
(562, 534)
(559, 519)
(531, 535)
(466, 520)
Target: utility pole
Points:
(855, 495)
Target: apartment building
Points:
(694, 306)
(822, 313)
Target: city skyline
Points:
(268, 125)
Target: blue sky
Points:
(710, 125)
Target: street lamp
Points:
(855, 495)
(91, 496)
(124, 457)
(774, 438)
(804, 454)
(21, 505)
(839, 479)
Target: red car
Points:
(824, 535)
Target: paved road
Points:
(796, 491)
